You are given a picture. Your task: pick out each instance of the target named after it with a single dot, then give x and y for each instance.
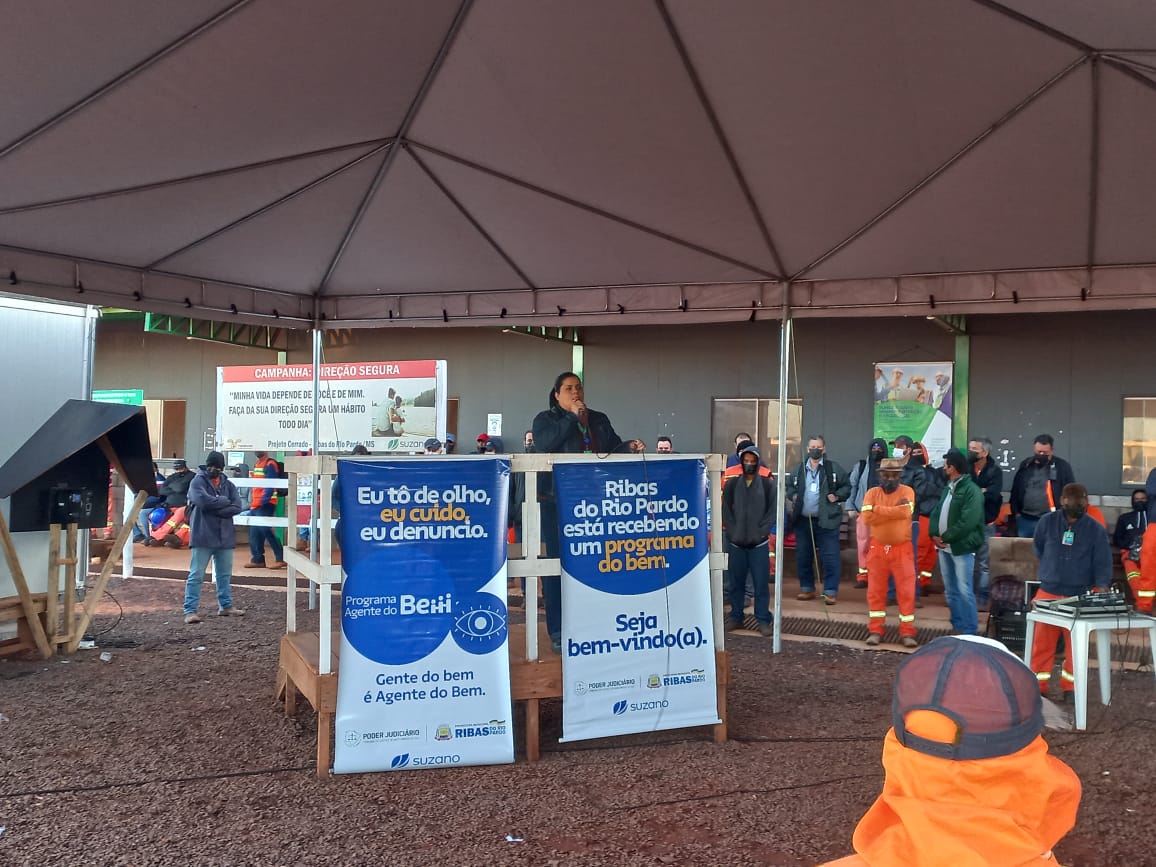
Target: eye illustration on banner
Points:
(480, 623)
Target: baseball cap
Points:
(179, 464)
(973, 686)
(450, 438)
(903, 441)
(483, 438)
(433, 443)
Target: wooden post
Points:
(92, 598)
(52, 603)
(70, 566)
(30, 615)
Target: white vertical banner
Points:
(637, 636)
(425, 664)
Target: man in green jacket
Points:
(957, 531)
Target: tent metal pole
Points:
(314, 527)
(781, 466)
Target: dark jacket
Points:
(175, 490)
(556, 432)
(1059, 474)
(915, 477)
(990, 481)
(1069, 570)
(832, 480)
(1130, 527)
(865, 474)
(964, 531)
(934, 481)
(211, 511)
(748, 510)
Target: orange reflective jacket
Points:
(995, 812)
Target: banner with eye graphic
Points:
(425, 668)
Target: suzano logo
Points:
(405, 761)
(621, 707)
(391, 445)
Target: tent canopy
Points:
(378, 162)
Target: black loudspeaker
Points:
(74, 491)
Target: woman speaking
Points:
(567, 427)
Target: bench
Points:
(11, 610)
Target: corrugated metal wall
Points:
(46, 352)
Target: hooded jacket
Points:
(865, 474)
(748, 510)
(833, 479)
(1000, 812)
(211, 511)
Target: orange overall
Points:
(1142, 577)
(928, 555)
(1044, 643)
(888, 516)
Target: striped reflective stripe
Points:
(1132, 575)
(923, 574)
(906, 618)
(1146, 594)
(1040, 675)
(911, 506)
(876, 613)
(862, 570)
(868, 508)
(1070, 678)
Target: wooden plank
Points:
(533, 734)
(52, 613)
(92, 598)
(70, 582)
(30, 614)
(324, 743)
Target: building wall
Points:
(1061, 374)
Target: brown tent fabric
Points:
(385, 162)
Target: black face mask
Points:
(212, 472)
(1076, 510)
(973, 456)
(1140, 505)
(876, 454)
(1042, 460)
(815, 454)
(750, 469)
(889, 486)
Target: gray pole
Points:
(781, 468)
(314, 527)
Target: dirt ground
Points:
(174, 752)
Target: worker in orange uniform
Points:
(262, 504)
(887, 511)
(1074, 558)
(1143, 582)
(969, 780)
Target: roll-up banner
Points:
(914, 399)
(637, 635)
(425, 666)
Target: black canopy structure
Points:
(482, 162)
(61, 474)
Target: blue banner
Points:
(425, 669)
(637, 635)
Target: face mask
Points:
(212, 472)
(876, 453)
(750, 469)
(1042, 459)
(898, 452)
(1140, 505)
(973, 456)
(889, 486)
(815, 454)
(529, 447)
(1076, 511)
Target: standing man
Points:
(1038, 484)
(451, 443)
(816, 490)
(1074, 557)
(748, 505)
(957, 531)
(528, 442)
(989, 477)
(740, 438)
(887, 511)
(665, 446)
(914, 476)
(262, 504)
(864, 477)
(1128, 538)
(213, 501)
(483, 440)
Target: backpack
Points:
(1007, 612)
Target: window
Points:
(166, 420)
(758, 416)
(1139, 457)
